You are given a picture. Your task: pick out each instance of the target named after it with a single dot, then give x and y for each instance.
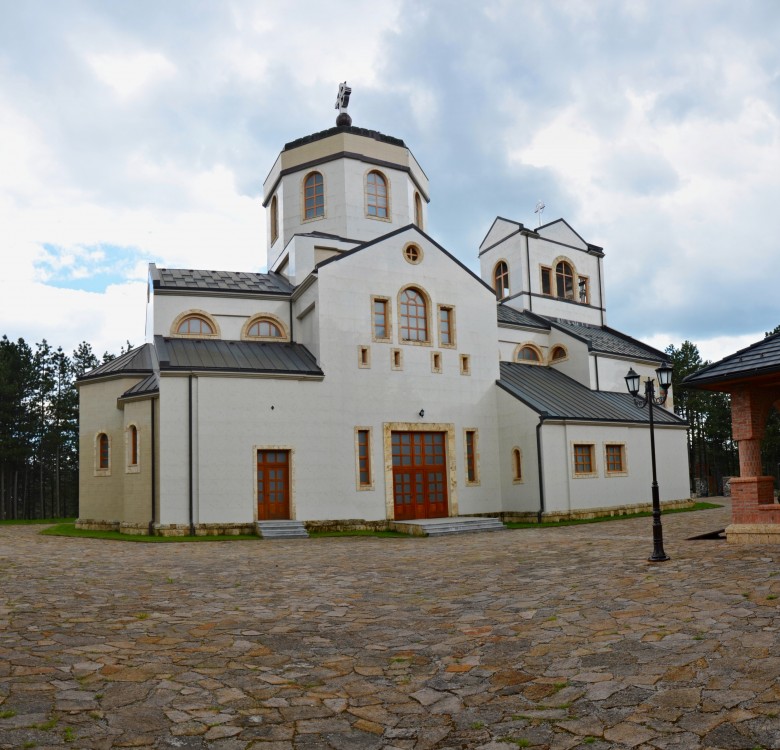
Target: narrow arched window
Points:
(104, 451)
(414, 316)
(265, 329)
(564, 280)
(418, 211)
(133, 445)
(501, 279)
(517, 465)
(194, 325)
(528, 354)
(314, 196)
(274, 219)
(376, 195)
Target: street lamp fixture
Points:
(664, 375)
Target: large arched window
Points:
(104, 452)
(564, 280)
(274, 219)
(376, 195)
(414, 315)
(418, 210)
(313, 196)
(501, 279)
(195, 325)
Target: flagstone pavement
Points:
(545, 638)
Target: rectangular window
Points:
(465, 364)
(396, 361)
(364, 357)
(446, 326)
(435, 361)
(546, 280)
(381, 320)
(472, 475)
(615, 458)
(363, 445)
(583, 458)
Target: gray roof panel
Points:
(608, 340)
(509, 316)
(270, 357)
(238, 282)
(761, 358)
(149, 385)
(550, 392)
(137, 361)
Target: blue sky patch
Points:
(89, 268)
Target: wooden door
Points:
(273, 485)
(419, 475)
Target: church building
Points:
(369, 377)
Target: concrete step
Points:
(282, 530)
(442, 526)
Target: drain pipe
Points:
(290, 316)
(189, 424)
(528, 275)
(542, 417)
(154, 468)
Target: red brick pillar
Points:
(749, 411)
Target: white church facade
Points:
(369, 376)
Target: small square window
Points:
(584, 464)
(615, 458)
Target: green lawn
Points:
(67, 527)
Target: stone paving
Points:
(548, 638)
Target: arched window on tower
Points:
(104, 452)
(414, 315)
(418, 210)
(274, 219)
(376, 195)
(501, 279)
(564, 280)
(313, 196)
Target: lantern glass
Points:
(664, 373)
(632, 382)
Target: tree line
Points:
(39, 460)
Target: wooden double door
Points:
(419, 475)
(273, 485)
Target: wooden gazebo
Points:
(752, 377)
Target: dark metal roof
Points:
(607, 340)
(139, 361)
(761, 358)
(510, 316)
(149, 385)
(235, 356)
(548, 391)
(375, 134)
(239, 282)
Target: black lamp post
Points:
(664, 373)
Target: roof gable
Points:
(561, 231)
(499, 230)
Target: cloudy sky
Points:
(142, 131)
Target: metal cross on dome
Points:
(342, 100)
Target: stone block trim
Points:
(753, 533)
(91, 524)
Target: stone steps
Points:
(282, 530)
(442, 526)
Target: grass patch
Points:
(600, 519)
(9, 713)
(69, 529)
(32, 521)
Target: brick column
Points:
(749, 411)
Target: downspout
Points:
(291, 319)
(601, 294)
(540, 513)
(189, 425)
(154, 468)
(528, 274)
